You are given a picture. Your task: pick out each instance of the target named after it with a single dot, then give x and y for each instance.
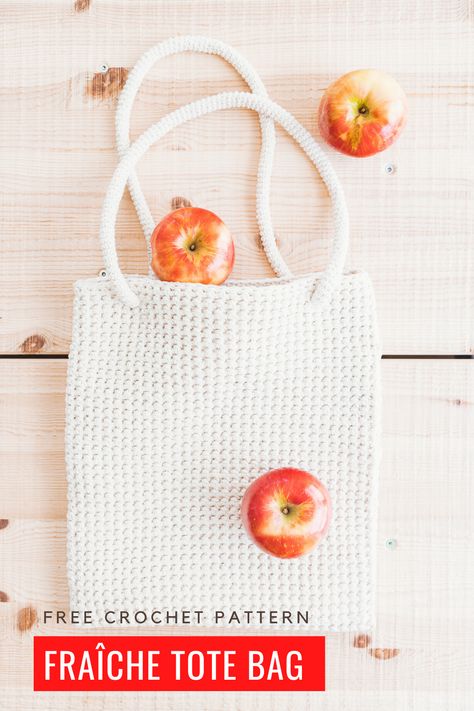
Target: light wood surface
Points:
(425, 579)
(412, 230)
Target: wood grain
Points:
(328, 701)
(425, 582)
(412, 230)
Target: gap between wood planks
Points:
(386, 356)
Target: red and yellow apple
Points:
(191, 244)
(362, 112)
(286, 512)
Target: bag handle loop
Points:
(227, 100)
(206, 45)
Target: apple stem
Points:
(285, 510)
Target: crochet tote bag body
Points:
(179, 395)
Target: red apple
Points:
(194, 245)
(362, 112)
(286, 512)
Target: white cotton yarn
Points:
(179, 395)
(206, 45)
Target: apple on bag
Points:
(286, 512)
(193, 245)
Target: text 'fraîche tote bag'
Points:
(179, 395)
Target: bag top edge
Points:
(139, 280)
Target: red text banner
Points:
(159, 663)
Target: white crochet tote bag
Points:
(179, 395)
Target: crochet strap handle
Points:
(205, 45)
(329, 278)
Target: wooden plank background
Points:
(412, 230)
